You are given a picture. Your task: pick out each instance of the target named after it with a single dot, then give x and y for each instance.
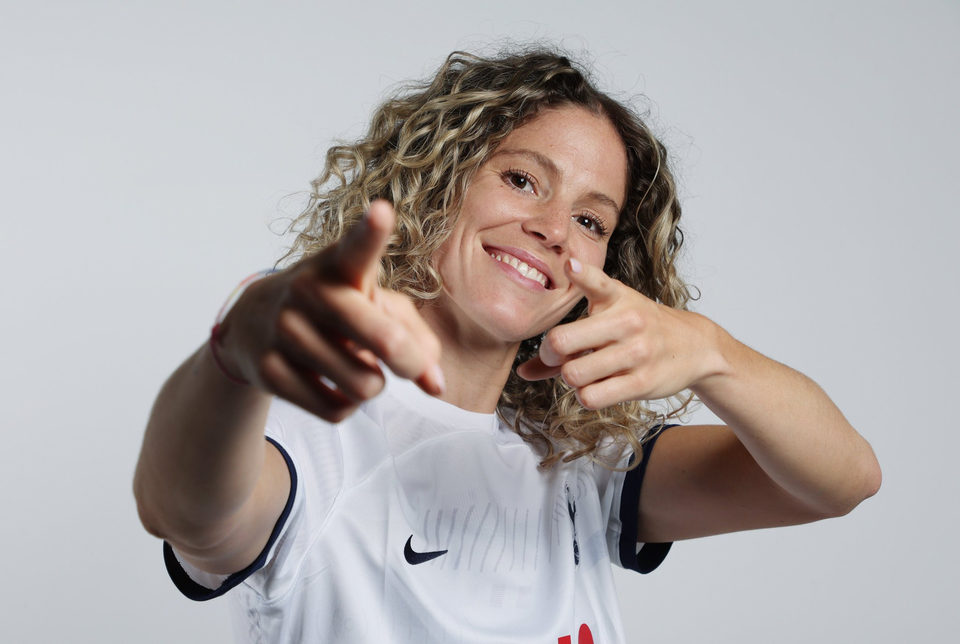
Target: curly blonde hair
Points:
(425, 144)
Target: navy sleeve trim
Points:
(196, 592)
(651, 555)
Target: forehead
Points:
(584, 148)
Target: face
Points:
(551, 191)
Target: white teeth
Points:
(522, 267)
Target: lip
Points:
(530, 259)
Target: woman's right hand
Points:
(312, 334)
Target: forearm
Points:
(790, 427)
(202, 453)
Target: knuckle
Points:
(312, 288)
(303, 285)
(555, 341)
(640, 382)
(390, 342)
(289, 325)
(368, 386)
(588, 398)
(570, 375)
(638, 351)
(634, 321)
(271, 370)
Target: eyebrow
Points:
(552, 168)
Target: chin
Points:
(509, 321)
(513, 328)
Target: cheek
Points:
(601, 257)
(593, 254)
(444, 258)
(452, 254)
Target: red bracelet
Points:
(215, 331)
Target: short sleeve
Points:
(312, 452)
(620, 493)
(198, 585)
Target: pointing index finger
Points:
(599, 288)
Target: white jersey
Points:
(417, 521)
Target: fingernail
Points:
(575, 265)
(436, 374)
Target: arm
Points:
(207, 481)
(787, 456)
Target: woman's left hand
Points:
(628, 348)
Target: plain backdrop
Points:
(148, 154)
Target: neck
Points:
(475, 366)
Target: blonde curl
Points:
(424, 146)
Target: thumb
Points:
(535, 369)
(357, 255)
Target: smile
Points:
(521, 267)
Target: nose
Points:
(550, 225)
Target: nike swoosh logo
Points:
(414, 558)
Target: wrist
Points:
(221, 358)
(715, 353)
(218, 333)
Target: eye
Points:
(520, 180)
(593, 224)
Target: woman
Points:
(524, 280)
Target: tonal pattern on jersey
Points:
(417, 521)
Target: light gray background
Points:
(146, 148)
